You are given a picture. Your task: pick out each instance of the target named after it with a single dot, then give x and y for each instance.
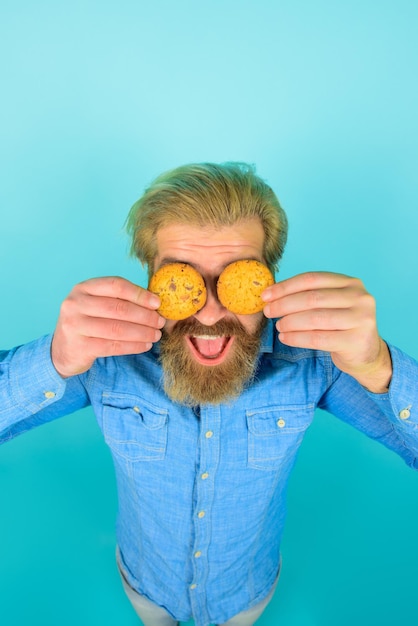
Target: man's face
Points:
(209, 357)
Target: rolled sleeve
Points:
(400, 403)
(31, 390)
(34, 383)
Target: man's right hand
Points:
(104, 317)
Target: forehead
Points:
(210, 247)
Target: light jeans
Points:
(153, 615)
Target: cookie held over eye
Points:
(241, 284)
(181, 289)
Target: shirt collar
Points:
(267, 337)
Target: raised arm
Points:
(101, 317)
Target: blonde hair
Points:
(207, 194)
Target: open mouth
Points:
(209, 350)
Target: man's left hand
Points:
(335, 313)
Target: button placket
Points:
(205, 477)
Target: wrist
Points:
(375, 375)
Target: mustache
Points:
(225, 328)
(190, 383)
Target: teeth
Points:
(207, 337)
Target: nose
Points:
(213, 310)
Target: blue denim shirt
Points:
(202, 493)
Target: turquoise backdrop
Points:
(97, 98)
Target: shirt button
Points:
(209, 434)
(204, 476)
(197, 554)
(201, 514)
(281, 423)
(49, 395)
(404, 414)
(136, 409)
(193, 586)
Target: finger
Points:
(98, 348)
(117, 330)
(117, 287)
(118, 309)
(320, 319)
(308, 281)
(329, 341)
(335, 298)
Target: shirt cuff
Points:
(34, 381)
(400, 403)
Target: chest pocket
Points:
(134, 429)
(275, 434)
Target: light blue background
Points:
(97, 98)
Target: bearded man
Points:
(204, 416)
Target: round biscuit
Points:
(241, 284)
(181, 289)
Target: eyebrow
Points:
(169, 259)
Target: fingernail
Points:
(266, 295)
(154, 301)
(161, 322)
(266, 310)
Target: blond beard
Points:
(189, 383)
